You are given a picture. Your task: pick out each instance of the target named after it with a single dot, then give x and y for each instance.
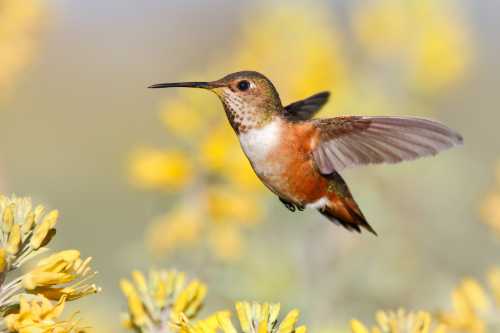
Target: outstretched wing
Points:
(349, 141)
(306, 109)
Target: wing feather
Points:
(350, 141)
(306, 109)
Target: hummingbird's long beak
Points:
(203, 85)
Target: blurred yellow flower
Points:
(20, 22)
(226, 242)
(157, 169)
(428, 38)
(382, 27)
(26, 299)
(440, 55)
(157, 303)
(399, 322)
(187, 117)
(319, 62)
(176, 229)
(490, 211)
(490, 207)
(473, 311)
(227, 204)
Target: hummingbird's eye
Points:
(243, 85)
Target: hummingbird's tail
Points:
(341, 208)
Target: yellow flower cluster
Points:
(20, 21)
(160, 300)
(399, 322)
(211, 173)
(164, 302)
(26, 300)
(490, 207)
(473, 311)
(40, 316)
(426, 37)
(253, 317)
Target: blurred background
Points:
(156, 178)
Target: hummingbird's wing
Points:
(306, 109)
(349, 141)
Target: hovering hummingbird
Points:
(299, 158)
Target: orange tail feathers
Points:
(341, 208)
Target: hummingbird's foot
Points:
(291, 206)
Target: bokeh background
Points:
(156, 178)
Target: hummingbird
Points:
(299, 157)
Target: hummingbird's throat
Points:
(244, 116)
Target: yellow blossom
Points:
(494, 281)
(490, 211)
(160, 300)
(382, 27)
(155, 169)
(207, 325)
(253, 317)
(20, 23)
(399, 322)
(59, 269)
(318, 63)
(219, 147)
(186, 117)
(226, 242)
(25, 230)
(472, 309)
(179, 228)
(228, 204)
(40, 315)
(26, 300)
(428, 38)
(440, 54)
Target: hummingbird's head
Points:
(249, 98)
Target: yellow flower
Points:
(25, 230)
(40, 315)
(226, 242)
(440, 54)
(176, 229)
(473, 311)
(399, 322)
(253, 317)
(155, 169)
(160, 300)
(59, 269)
(25, 300)
(207, 325)
(382, 27)
(227, 204)
(187, 117)
(490, 207)
(318, 63)
(427, 37)
(217, 147)
(20, 22)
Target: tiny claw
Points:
(290, 206)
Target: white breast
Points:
(259, 142)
